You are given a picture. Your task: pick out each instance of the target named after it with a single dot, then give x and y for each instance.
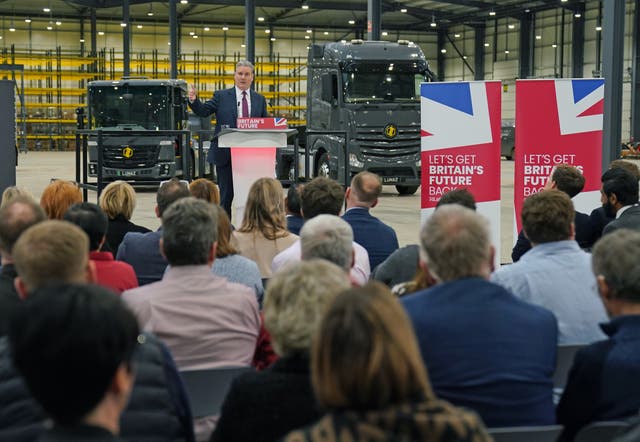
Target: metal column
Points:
(478, 51)
(8, 131)
(441, 40)
(527, 29)
(613, 49)
(374, 20)
(250, 29)
(126, 39)
(577, 42)
(94, 33)
(173, 38)
(635, 83)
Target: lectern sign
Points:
(261, 123)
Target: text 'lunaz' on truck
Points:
(368, 92)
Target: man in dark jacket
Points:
(158, 409)
(603, 381)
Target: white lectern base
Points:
(249, 164)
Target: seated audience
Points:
(402, 266)
(556, 273)
(330, 238)
(230, 264)
(484, 348)
(267, 405)
(324, 196)
(619, 196)
(13, 192)
(263, 232)
(603, 381)
(567, 179)
(118, 200)
(599, 218)
(376, 237)
(58, 196)
(115, 275)
(74, 347)
(142, 250)
(158, 409)
(368, 376)
(206, 321)
(292, 207)
(205, 189)
(16, 216)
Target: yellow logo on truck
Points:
(390, 131)
(127, 152)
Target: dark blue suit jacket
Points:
(142, 251)
(379, 239)
(225, 105)
(294, 224)
(487, 350)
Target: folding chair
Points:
(208, 388)
(601, 431)
(547, 433)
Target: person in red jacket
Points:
(116, 275)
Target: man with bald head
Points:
(379, 239)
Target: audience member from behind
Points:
(379, 239)
(116, 275)
(324, 196)
(16, 216)
(603, 382)
(55, 253)
(569, 180)
(58, 196)
(267, 405)
(13, 192)
(263, 232)
(118, 200)
(206, 321)
(78, 366)
(330, 238)
(619, 197)
(401, 270)
(293, 209)
(205, 189)
(599, 217)
(367, 374)
(229, 263)
(142, 250)
(504, 348)
(555, 273)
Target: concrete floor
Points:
(35, 170)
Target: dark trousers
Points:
(225, 182)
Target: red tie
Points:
(245, 105)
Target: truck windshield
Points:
(148, 106)
(367, 82)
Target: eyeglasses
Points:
(184, 182)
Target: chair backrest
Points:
(208, 388)
(601, 431)
(564, 361)
(547, 433)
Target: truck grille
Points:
(143, 156)
(374, 143)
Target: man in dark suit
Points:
(229, 105)
(379, 239)
(292, 207)
(619, 197)
(567, 179)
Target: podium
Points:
(253, 156)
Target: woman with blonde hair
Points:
(118, 200)
(367, 373)
(205, 189)
(263, 232)
(58, 196)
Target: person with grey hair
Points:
(205, 320)
(603, 382)
(267, 405)
(504, 348)
(328, 237)
(229, 104)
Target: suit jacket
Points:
(118, 228)
(9, 299)
(294, 224)
(487, 350)
(379, 239)
(142, 252)
(224, 104)
(630, 219)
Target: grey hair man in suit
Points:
(228, 105)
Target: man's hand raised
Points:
(192, 93)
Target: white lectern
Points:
(253, 156)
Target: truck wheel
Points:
(324, 167)
(407, 190)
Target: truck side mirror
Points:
(330, 88)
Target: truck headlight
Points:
(354, 161)
(419, 163)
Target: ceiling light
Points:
(352, 22)
(12, 29)
(554, 45)
(309, 31)
(207, 28)
(538, 37)
(385, 33)
(464, 57)
(492, 13)
(195, 35)
(27, 20)
(456, 35)
(46, 9)
(433, 24)
(243, 45)
(260, 18)
(326, 32)
(139, 26)
(598, 28)
(486, 45)
(150, 11)
(273, 39)
(506, 52)
(192, 33)
(306, 37)
(82, 40)
(99, 32)
(564, 1)
(444, 51)
(123, 25)
(512, 26)
(403, 10)
(267, 31)
(184, 2)
(225, 28)
(305, 5)
(577, 15)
